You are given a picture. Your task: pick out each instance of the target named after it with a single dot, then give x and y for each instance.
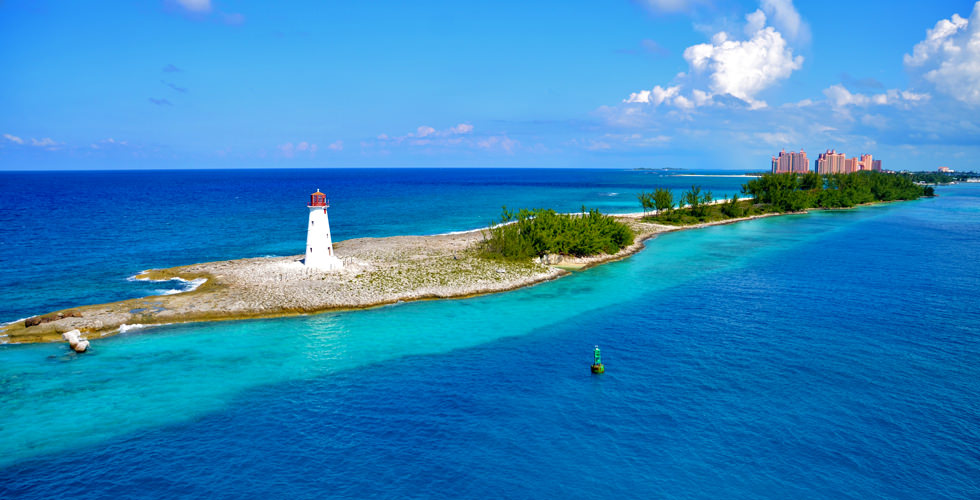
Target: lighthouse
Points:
(319, 246)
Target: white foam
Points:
(188, 285)
(21, 320)
(123, 328)
(193, 284)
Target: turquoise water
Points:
(829, 355)
(71, 238)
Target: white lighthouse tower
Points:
(319, 246)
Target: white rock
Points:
(71, 336)
(75, 341)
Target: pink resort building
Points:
(833, 162)
(790, 162)
(830, 162)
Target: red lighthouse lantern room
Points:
(318, 199)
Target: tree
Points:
(646, 200)
(663, 200)
(810, 181)
(697, 201)
(732, 208)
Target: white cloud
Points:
(45, 142)
(744, 68)
(949, 57)
(195, 5)
(657, 96)
(785, 18)
(776, 139)
(839, 97)
(462, 128)
(501, 142)
(428, 139)
(755, 22)
(108, 143)
(302, 148)
(425, 134)
(13, 138)
(738, 68)
(336, 146)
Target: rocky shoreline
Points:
(377, 271)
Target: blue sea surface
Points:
(828, 355)
(70, 238)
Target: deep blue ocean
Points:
(828, 355)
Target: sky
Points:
(702, 84)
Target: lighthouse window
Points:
(311, 249)
(311, 223)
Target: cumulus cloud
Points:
(657, 96)
(430, 139)
(755, 22)
(336, 146)
(734, 71)
(949, 57)
(728, 76)
(13, 138)
(744, 68)
(785, 18)
(840, 97)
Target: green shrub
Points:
(532, 233)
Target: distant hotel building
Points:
(945, 170)
(830, 162)
(790, 162)
(833, 162)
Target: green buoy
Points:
(597, 362)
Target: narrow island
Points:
(521, 249)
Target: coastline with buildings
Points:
(830, 162)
